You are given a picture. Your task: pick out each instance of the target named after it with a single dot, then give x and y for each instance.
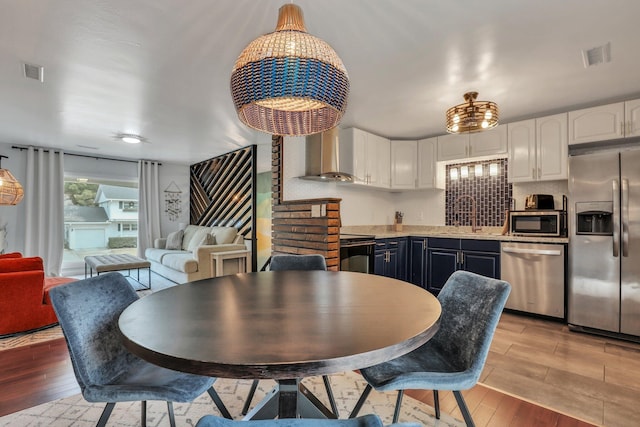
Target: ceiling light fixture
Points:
(473, 116)
(289, 82)
(11, 192)
(130, 138)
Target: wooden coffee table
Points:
(283, 325)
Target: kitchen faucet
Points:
(456, 210)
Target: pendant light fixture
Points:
(289, 82)
(472, 116)
(11, 192)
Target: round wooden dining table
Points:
(281, 325)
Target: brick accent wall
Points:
(310, 226)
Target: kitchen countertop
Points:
(487, 233)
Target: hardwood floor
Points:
(537, 360)
(594, 378)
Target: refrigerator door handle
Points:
(616, 218)
(625, 217)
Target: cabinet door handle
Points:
(533, 173)
(621, 128)
(539, 173)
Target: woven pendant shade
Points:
(472, 116)
(289, 82)
(11, 192)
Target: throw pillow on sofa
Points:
(174, 240)
(200, 237)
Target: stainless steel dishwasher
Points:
(536, 272)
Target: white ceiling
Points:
(161, 68)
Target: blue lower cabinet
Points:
(391, 258)
(448, 255)
(417, 261)
(442, 263)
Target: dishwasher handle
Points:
(554, 252)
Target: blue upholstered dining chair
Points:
(454, 358)
(106, 371)
(283, 262)
(363, 421)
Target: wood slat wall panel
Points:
(223, 193)
(293, 229)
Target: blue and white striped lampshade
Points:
(289, 82)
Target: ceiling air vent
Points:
(596, 55)
(34, 72)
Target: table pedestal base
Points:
(289, 399)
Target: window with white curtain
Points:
(100, 209)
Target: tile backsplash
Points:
(492, 194)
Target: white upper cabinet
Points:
(366, 157)
(430, 174)
(491, 142)
(552, 148)
(522, 150)
(632, 118)
(596, 124)
(379, 161)
(404, 164)
(452, 147)
(538, 149)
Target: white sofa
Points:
(188, 257)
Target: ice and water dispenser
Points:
(594, 218)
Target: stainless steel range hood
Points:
(322, 157)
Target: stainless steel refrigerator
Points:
(604, 242)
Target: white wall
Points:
(360, 205)
(179, 175)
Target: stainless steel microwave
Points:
(543, 223)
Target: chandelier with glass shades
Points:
(289, 82)
(472, 116)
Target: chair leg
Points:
(361, 401)
(106, 413)
(464, 409)
(332, 400)
(396, 412)
(143, 413)
(247, 402)
(221, 407)
(172, 417)
(436, 403)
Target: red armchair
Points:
(24, 294)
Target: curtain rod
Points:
(46, 150)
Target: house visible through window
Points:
(100, 217)
(128, 227)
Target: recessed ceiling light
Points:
(130, 138)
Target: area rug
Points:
(347, 387)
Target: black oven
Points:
(357, 253)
